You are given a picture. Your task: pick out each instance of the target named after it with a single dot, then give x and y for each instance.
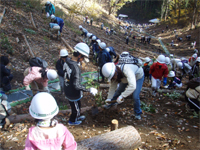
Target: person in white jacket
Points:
(130, 78)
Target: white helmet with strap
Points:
(83, 49)
(43, 106)
(51, 74)
(89, 34)
(94, 37)
(108, 70)
(167, 60)
(63, 53)
(102, 45)
(48, 2)
(108, 49)
(171, 74)
(53, 16)
(180, 65)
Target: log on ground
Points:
(2, 14)
(125, 138)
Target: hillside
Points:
(169, 126)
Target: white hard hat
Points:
(51, 74)
(53, 16)
(108, 70)
(196, 51)
(63, 53)
(171, 74)
(98, 41)
(125, 53)
(171, 55)
(89, 34)
(194, 55)
(80, 26)
(147, 59)
(198, 59)
(161, 59)
(167, 60)
(43, 106)
(48, 2)
(83, 49)
(180, 65)
(108, 49)
(102, 45)
(94, 37)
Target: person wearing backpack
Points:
(38, 78)
(158, 70)
(49, 9)
(47, 133)
(192, 94)
(72, 87)
(130, 78)
(146, 68)
(104, 57)
(59, 67)
(195, 69)
(5, 74)
(112, 52)
(173, 81)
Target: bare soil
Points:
(171, 126)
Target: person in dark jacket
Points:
(111, 51)
(49, 9)
(59, 67)
(104, 57)
(5, 74)
(59, 21)
(72, 84)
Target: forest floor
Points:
(165, 123)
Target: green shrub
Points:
(6, 44)
(30, 31)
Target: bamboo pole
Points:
(33, 23)
(2, 14)
(68, 46)
(31, 52)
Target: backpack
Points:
(129, 59)
(146, 70)
(36, 61)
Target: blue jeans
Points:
(136, 94)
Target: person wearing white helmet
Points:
(59, 67)
(168, 63)
(58, 21)
(182, 69)
(173, 81)
(38, 78)
(158, 70)
(130, 78)
(102, 25)
(72, 87)
(195, 69)
(111, 51)
(49, 9)
(43, 108)
(146, 68)
(192, 60)
(103, 57)
(84, 32)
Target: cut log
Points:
(2, 14)
(104, 85)
(114, 124)
(32, 21)
(19, 118)
(68, 46)
(30, 51)
(125, 138)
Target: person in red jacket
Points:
(158, 70)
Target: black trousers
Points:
(76, 110)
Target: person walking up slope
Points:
(157, 71)
(48, 133)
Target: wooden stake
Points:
(2, 14)
(30, 51)
(114, 124)
(32, 21)
(68, 46)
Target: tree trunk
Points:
(27, 44)
(124, 138)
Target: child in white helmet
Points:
(173, 81)
(48, 133)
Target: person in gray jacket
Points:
(130, 78)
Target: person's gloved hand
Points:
(93, 91)
(47, 15)
(165, 81)
(28, 88)
(120, 99)
(46, 89)
(107, 100)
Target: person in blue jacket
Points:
(49, 8)
(5, 74)
(111, 51)
(104, 57)
(174, 81)
(59, 21)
